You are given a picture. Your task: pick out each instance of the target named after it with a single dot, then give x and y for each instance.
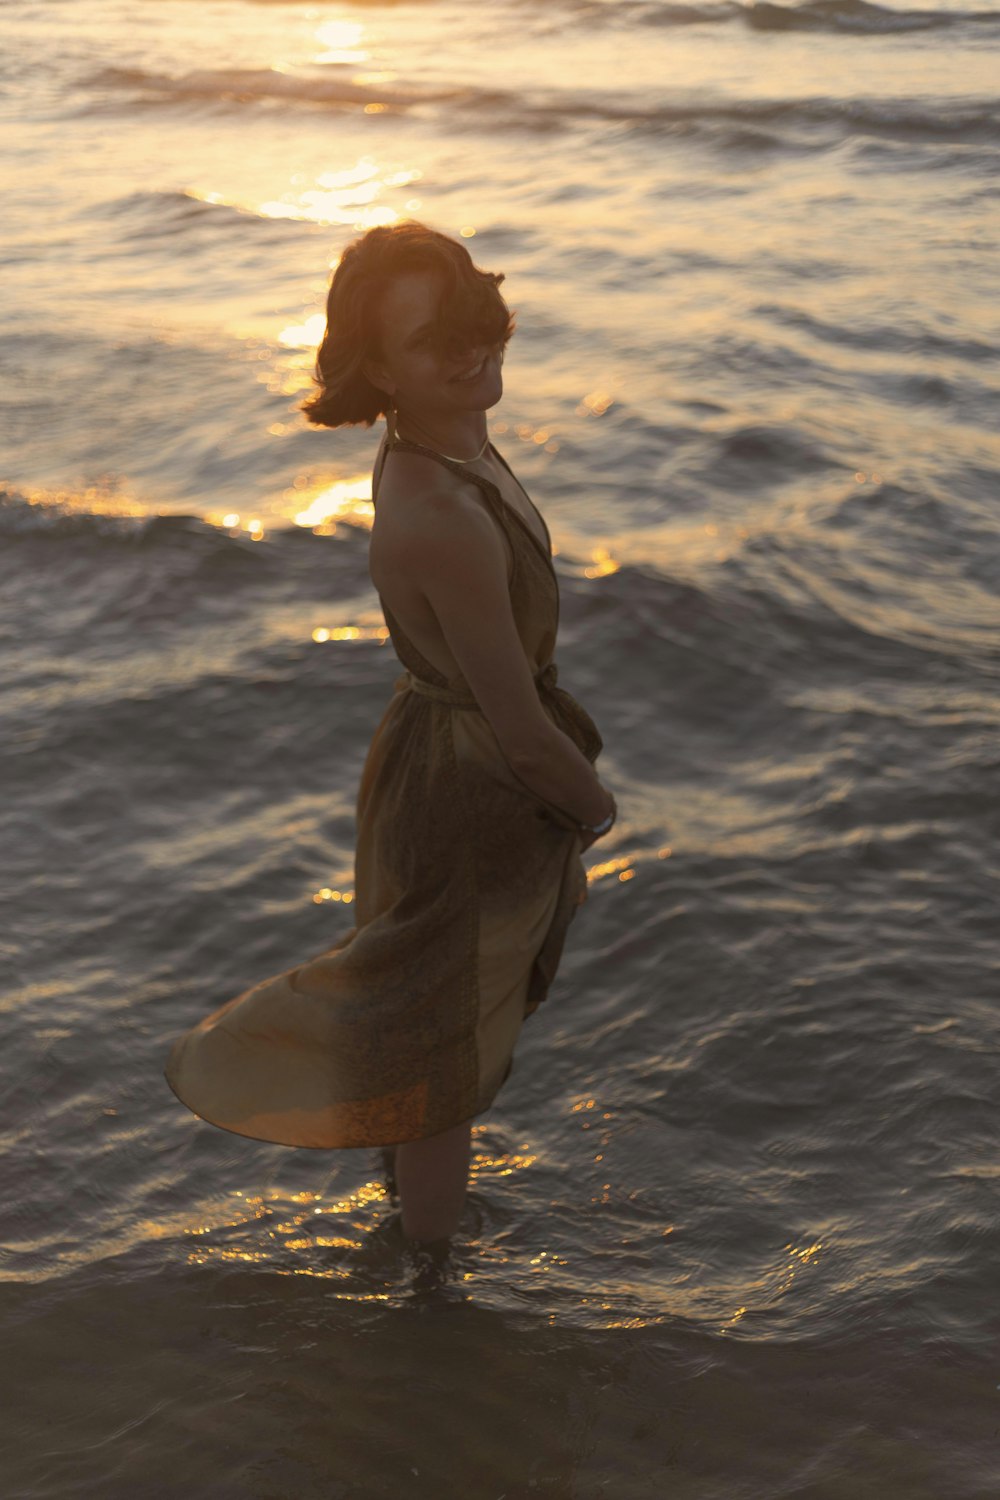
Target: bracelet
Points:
(605, 823)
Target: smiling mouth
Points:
(470, 375)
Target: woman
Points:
(478, 792)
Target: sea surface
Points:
(733, 1230)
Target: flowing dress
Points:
(465, 883)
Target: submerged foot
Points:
(430, 1261)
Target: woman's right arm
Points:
(561, 774)
(456, 557)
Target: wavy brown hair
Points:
(473, 313)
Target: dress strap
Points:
(454, 464)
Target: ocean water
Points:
(732, 1230)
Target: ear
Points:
(375, 374)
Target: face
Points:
(414, 370)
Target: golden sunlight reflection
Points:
(297, 1211)
(227, 1254)
(732, 1320)
(499, 1166)
(603, 563)
(326, 894)
(325, 1242)
(797, 1258)
(345, 633)
(595, 404)
(635, 1322)
(347, 197)
(622, 867)
(540, 436)
(100, 499)
(342, 40)
(351, 633)
(774, 1283)
(232, 523)
(295, 377)
(307, 335)
(332, 208)
(368, 1192)
(330, 501)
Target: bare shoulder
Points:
(431, 527)
(421, 498)
(406, 474)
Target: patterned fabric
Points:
(466, 882)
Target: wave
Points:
(158, 214)
(239, 86)
(23, 518)
(856, 16)
(763, 15)
(965, 119)
(852, 16)
(176, 550)
(861, 580)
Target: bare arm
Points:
(560, 774)
(457, 559)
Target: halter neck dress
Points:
(465, 884)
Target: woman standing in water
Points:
(478, 793)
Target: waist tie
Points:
(545, 681)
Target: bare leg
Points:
(387, 1156)
(433, 1175)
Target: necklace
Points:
(390, 418)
